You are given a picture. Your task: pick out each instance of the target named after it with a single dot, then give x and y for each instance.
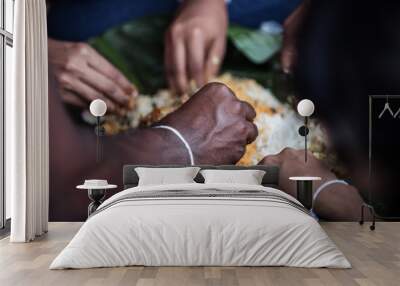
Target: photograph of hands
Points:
(175, 59)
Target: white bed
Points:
(249, 226)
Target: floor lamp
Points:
(98, 108)
(305, 184)
(305, 108)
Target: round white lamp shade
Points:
(305, 108)
(98, 107)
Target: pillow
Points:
(162, 176)
(248, 177)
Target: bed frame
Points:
(271, 177)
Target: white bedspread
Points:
(182, 231)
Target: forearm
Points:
(73, 146)
(339, 202)
(146, 146)
(73, 157)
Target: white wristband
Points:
(320, 189)
(179, 135)
(326, 184)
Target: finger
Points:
(178, 66)
(105, 86)
(288, 59)
(168, 65)
(252, 132)
(248, 110)
(73, 99)
(271, 160)
(99, 63)
(175, 66)
(195, 47)
(289, 152)
(214, 58)
(86, 92)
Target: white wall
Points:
(8, 87)
(9, 25)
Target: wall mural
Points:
(149, 65)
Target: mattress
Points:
(201, 225)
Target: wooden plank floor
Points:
(375, 257)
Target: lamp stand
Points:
(99, 130)
(305, 139)
(303, 131)
(369, 204)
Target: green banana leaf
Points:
(136, 49)
(257, 46)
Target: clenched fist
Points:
(216, 124)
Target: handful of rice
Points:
(277, 122)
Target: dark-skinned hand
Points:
(336, 202)
(291, 163)
(216, 124)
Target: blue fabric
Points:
(252, 13)
(78, 20)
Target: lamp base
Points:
(96, 196)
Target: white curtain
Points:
(27, 155)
